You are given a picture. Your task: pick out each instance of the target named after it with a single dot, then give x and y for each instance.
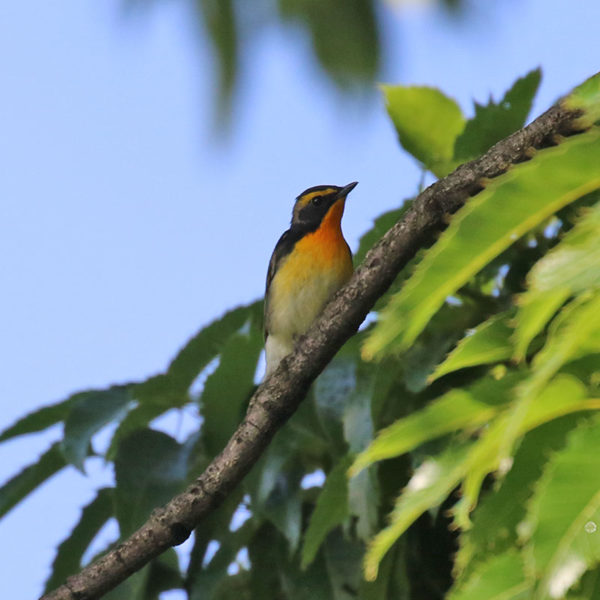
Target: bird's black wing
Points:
(283, 247)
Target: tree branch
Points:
(276, 399)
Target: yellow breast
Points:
(307, 278)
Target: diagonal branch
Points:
(277, 398)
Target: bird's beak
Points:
(346, 190)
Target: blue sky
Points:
(126, 224)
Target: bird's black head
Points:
(314, 203)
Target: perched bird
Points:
(311, 261)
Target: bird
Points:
(311, 262)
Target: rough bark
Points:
(277, 398)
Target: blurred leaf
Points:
(206, 582)
(490, 342)
(431, 483)
(148, 583)
(150, 468)
(343, 561)
(562, 396)
(196, 354)
(89, 415)
(330, 511)
(533, 315)
(136, 419)
(71, 550)
(227, 390)
(283, 506)
(588, 587)
(219, 20)
(494, 122)
(22, 484)
(381, 225)
(344, 37)
(501, 578)
(585, 98)
(457, 409)
(41, 419)
(163, 392)
(573, 263)
(331, 391)
(564, 514)
(489, 223)
(133, 588)
(164, 575)
(496, 519)
(427, 123)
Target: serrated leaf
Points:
(32, 476)
(585, 98)
(494, 122)
(40, 419)
(533, 315)
(150, 468)
(562, 396)
(330, 511)
(490, 342)
(431, 483)
(71, 550)
(457, 409)
(89, 415)
(196, 354)
(564, 513)
(501, 578)
(229, 387)
(495, 520)
(511, 205)
(427, 123)
(570, 268)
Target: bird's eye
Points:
(317, 200)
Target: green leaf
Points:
(227, 390)
(343, 561)
(431, 483)
(573, 263)
(494, 122)
(197, 353)
(219, 21)
(564, 513)
(330, 511)
(40, 419)
(562, 396)
(69, 553)
(205, 582)
(490, 342)
(427, 122)
(501, 578)
(585, 98)
(89, 415)
(163, 392)
(533, 315)
(356, 22)
(457, 409)
(496, 519)
(382, 224)
(489, 223)
(22, 484)
(150, 468)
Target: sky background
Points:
(127, 222)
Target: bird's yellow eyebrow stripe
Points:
(304, 200)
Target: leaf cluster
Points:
(450, 449)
